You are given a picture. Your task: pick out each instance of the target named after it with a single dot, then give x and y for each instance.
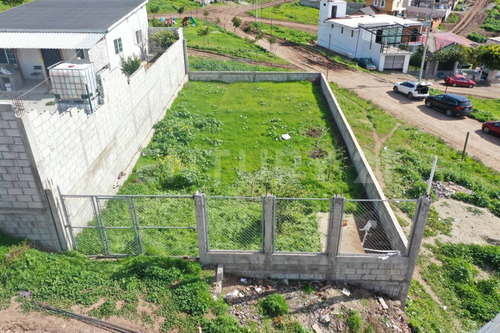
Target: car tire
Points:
(486, 129)
(428, 104)
(395, 89)
(454, 84)
(448, 113)
(410, 95)
(471, 86)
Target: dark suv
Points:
(450, 104)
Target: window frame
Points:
(117, 43)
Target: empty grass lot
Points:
(226, 43)
(292, 11)
(226, 139)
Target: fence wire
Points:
(132, 225)
(369, 228)
(301, 225)
(234, 223)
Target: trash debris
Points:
(325, 319)
(383, 257)
(286, 136)
(346, 292)
(285, 281)
(383, 303)
(258, 289)
(316, 329)
(232, 294)
(243, 280)
(25, 294)
(445, 307)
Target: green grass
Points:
(172, 6)
(204, 64)
(474, 299)
(177, 291)
(492, 22)
(224, 42)
(407, 159)
(424, 314)
(293, 35)
(225, 139)
(485, 109)
(291, 11)
(452, 18)
(4, 7)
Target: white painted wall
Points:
(27, 59)
(341, 41)
(126, 31)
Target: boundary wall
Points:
(365, 174)
(78, 152)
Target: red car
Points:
(459, 80)
(491, 127)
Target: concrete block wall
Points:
(229, 77)
(86, 153)
(24, 210)
(366, 176)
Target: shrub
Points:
(453, 18)
(354, 322)
(477, 37)
(164, 38)
(50, 103)
(221, 324)
(273, 305)
(193, 298)
(130, 65)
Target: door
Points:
(50, 57)
(394, 62)
(334, 12)
(496, 128)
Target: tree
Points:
(456, 54)
(489, 56)
(236, 22)
(416, 58)
(180, 10)
(218, 21)
(13, 3)
(130, 65)
(206, 13)
(203, 32)
(154, 8)
(164, 38)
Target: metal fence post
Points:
(269, 217)
(416, 236)
(201, 225)
(334, 231)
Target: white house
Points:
(388, 40)
(41, 33)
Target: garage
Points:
(394, 62)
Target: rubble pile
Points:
(447, 189)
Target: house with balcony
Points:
(41, 34)
(390, 7)
(387, 39)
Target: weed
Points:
(475, 211)
(308, 288)
(291, 11)
(354, 322)
(50, 103)
(273, 305)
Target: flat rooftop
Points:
(354, 21)
(66, 15)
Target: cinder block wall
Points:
(24, 210)
(85, 153)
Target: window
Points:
(7, 56)
(382, 3)
(118, 45)
(342, 30)
(80, 54)
(138, 37)
(352, 33)
(375, 3)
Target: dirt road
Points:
(471, 19)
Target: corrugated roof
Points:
(43, 40)
(66, 15)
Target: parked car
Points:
(366, 63)
(413, 89)
(491, 127)
(459, 80)
(450, 104)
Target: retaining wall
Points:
(86, 153)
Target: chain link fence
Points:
(234, 223)
(301, 225)
(132, 225)
(368, 228)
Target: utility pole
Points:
(425, 46)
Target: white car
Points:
(413, 89)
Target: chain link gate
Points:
(123, 225)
